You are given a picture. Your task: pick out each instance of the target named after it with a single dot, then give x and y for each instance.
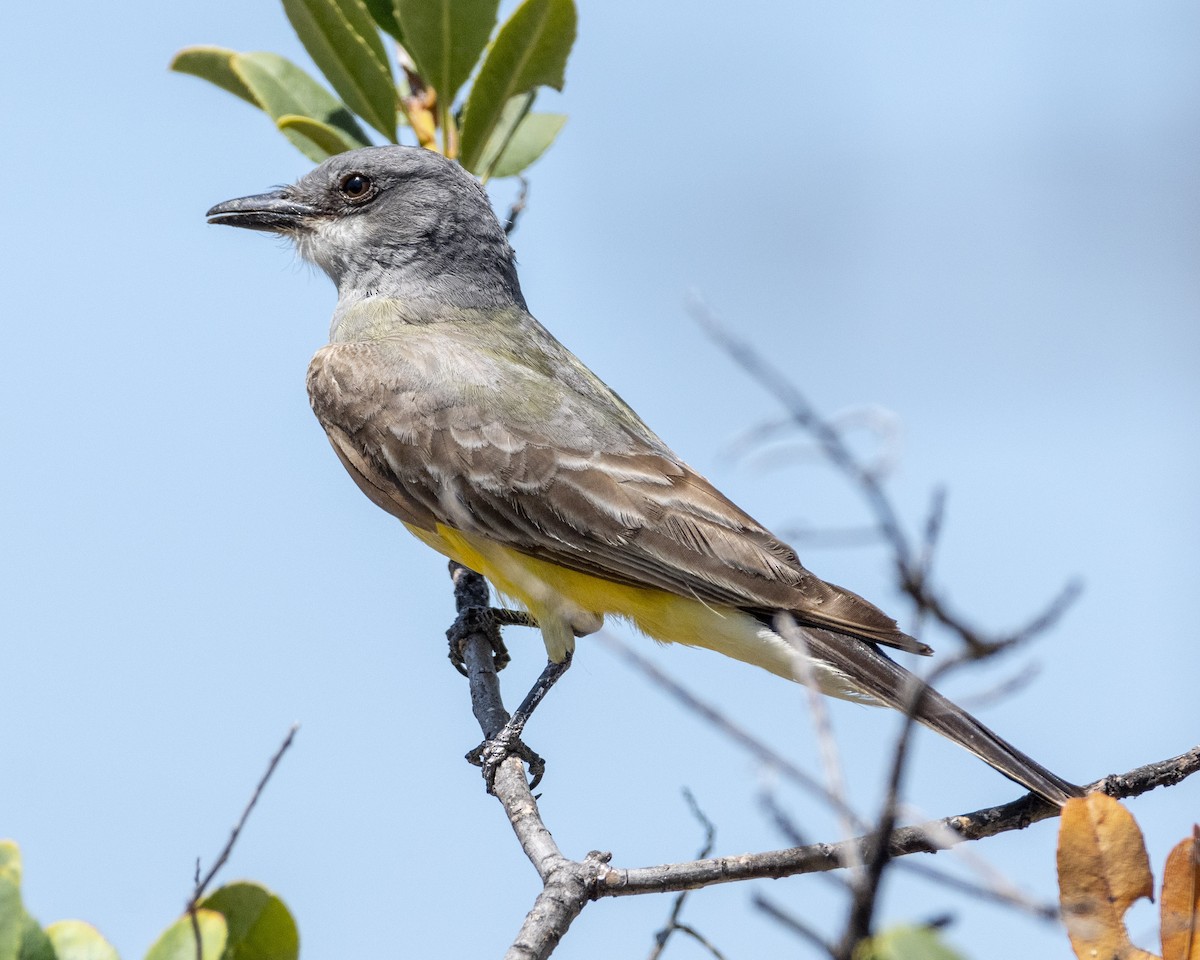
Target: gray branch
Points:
(568, 884)
(928, 837)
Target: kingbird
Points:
(458, 413)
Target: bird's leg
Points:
(495, 750)
(476, 617)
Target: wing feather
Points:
(547, 470)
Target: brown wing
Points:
(542, 471)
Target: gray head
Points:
(396, 221)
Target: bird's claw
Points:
(485, 621)
(507, 743)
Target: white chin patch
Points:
(321, 244)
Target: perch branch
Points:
(568, 884)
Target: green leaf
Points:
(178, 941)
(36, 945)
(343, 41)
(12, 914)
(519, 139)
(212, 64)
(384, 14)
(530, 50)
(907, 943)
(21, 937)
(282, 89)
(10, 862)
(516, 110)
(445, 39)
(76, 940)
(260, 926)
(329, 140)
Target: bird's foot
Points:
(486, 621)
(495, 750)
(507, 743)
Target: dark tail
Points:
(884, 680)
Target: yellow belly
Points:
(567, 603)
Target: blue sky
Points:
(982, 218)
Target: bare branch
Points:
(996, 889)
(993, 885)
(695, 935)
(804, 415)
(929, 541)
(921, 838)
(763, 753)
(200, 885)
(830, 538)
(566, 882)
(672, 925)
(1003, 893)
(972, 637)
(510, 784)
(785, 626)
(1001, 690)
(789, 921)
(570, 884)
(517, 208)
(564, 896)
(911, 566)
(866, 885)
(223, 856)
(784, 449)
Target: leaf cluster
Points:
(491, 130)
(1103, 869)
(239, 921)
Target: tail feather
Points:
(882, 679)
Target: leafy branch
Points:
(238, 921)
(492, 130)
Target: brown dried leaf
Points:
(1181, 901)
(1102, 869)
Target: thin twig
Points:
(829, 538)
(517, 208)
(781, 819)
(866, 884)
(786, 627)
(921, 838)
(1001, 690)
(763, 753)
(198, 892)
(993, 885)
(792, 923)
(200, 885)
(997, 889)
(785, 449)
(672, 925)
(699, 938)
(1002, 894)
(973, 638)
(909, 573)
(805, 415)
(929, 541)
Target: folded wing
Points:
(548, 470)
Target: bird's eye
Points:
(356, 187)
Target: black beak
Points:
(274, 212)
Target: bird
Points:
(459, 414)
